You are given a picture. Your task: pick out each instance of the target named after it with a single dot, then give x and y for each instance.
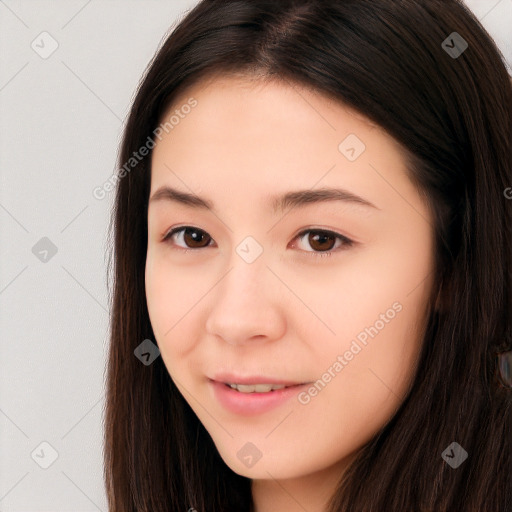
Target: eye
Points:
(190, 235)
(319, 239)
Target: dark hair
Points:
(453, 117)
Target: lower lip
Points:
(249, 404)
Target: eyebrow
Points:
(277, 203)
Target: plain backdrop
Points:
(68, 72)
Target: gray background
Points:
(61, 119)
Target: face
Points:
(326, 292)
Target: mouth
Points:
(258, 388)
(252, 398)
(254, 383)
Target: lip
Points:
(250, 404)
(229, 378)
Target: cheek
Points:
(379, 334)
(387, 357)
(157, 295)
(173, 299)
(365, 394)
(164, 305)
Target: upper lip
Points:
(228, 378)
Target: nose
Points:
(247, 304)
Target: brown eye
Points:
(193, 238)
(323, 242)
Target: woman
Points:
(357, 375)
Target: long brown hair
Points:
(453, 114)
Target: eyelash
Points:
(346, 241)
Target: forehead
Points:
(249, 116)
(278, 93)
(259, 137)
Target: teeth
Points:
(256, 388)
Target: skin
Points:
(291, 312)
